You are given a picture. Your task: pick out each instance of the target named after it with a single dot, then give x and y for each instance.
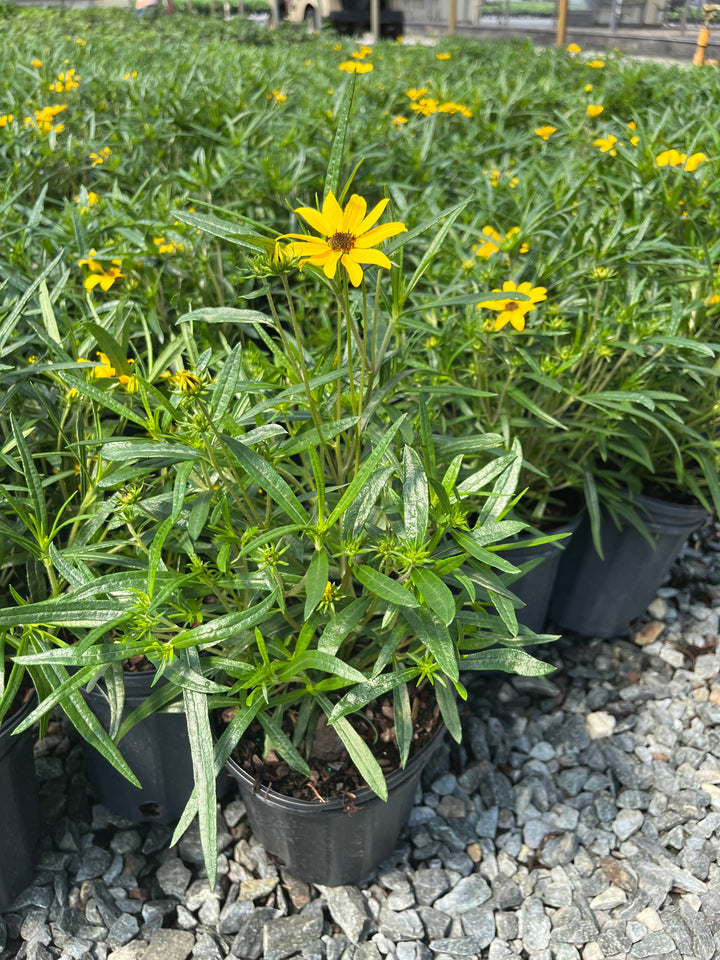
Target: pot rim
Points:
(361, 798)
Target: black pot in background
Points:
(157, 751)
(325, 842)
(599, 598)
(535, 587)
(18, 807)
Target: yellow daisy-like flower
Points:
(129, 382)
(596, 64)
(573, 48)
(513, 311)
(607, 144)
(44, 119)
(65, 82)
(361, 53)
(491, 243)
(443, 56)
(399, 121)
(347, 236)
(104, 370)
(185, 381)
(694, 160)
(277, 96)
(352, 66)
(670, 158)
(167, 245)
(594, 110)
(36, 63)
(6, 119)
(416, 92)
(425, 106)
(545, 132)
(92, 199)
(713, 299)
(101, 157)
(80, 42)
(98, 274)
(130, 76)
(588, 88)
(454, 108)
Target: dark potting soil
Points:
(333, 774)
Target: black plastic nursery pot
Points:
(157, 751)
(535, 587)
(18, 807)
(334, 842)
(595, 597)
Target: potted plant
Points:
(295, 561)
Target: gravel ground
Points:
(579, 819)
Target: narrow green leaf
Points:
(445, 695)
(436, 637)
(369, 690)
(384, 587)
(264, 474)
(201, 749)
(282, 744)
(225, 315)
(403, 721)
(316, 580)
(31, 475)
(332, 177)
(507, 660)
(416, 503)
(342, 623)
(226, 383)
(360, 753)
(436, 594)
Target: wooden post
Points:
(452, 17)
(561, 23)
(375, 19)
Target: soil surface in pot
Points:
(333, 774)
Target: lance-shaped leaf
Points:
(436, 594)
(436, 637)
(266, 476)
(416, 503)
(360, 753)
(316, 581)
(364, 692)
(508, 660)
(385, 587)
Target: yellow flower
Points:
(443, 56)
(415, 93)
(98, 274)
(130, 76)
(545, 132)
(167, 245)
(693, 161)
(425, 106)
(513, 311)
(349, 234)
(337, 46)
(98, 158)
(512, 232)
(399, 120)
(66, 82)
(361, 53)
(490, 245)
(670, 158)
(350, 66)
(185, 381)
(606, 144)
(129, 382)
(104, 369)
(80, 42)
(36, 63)
(92, 199)
(454, 108)
(588, 88)
(5, 119)
(573, 48)
(597, 64)
(713, 299)
(277, 96)
(45, 117)
(594, 110)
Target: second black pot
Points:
(18, 807)
(333, 843)
(157, 751)
(599, 598)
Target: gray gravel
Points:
(580, 818)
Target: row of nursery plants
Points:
(292, 355)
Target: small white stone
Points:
(599, 724)
(650, 918)
(635, 931)
(592, 951)
(657, 609)
(609, 899)
(626, 823)
(707, 667)
(672, 655)
(693, 901)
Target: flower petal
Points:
(354, 214)
(373, 217)
(316, 220)
(333, 214)
(371, 256)
(331, 263)
(380, 233)
(353, 268)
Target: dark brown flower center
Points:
(512, 305)
(342, 241)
